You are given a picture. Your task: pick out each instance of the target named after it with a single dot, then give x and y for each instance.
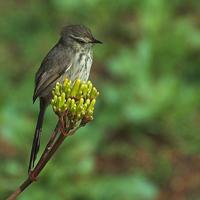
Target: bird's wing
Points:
(53, 66)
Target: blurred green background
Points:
(144, 143)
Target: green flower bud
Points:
(89, 86)
(67, 87)
(59, 102)
(63, 97)
(75, 88)
(84, 90)
(73, 110)
(67, 91)
(72, 103)
(68, 103)
(80, 91)
(86, 104)
(94, 93)
(64, 107)
(57, 89)
(90, 108)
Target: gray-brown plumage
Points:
(70, 58)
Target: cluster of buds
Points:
(77, 99)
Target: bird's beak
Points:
(96, 41)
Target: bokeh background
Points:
(144, 143)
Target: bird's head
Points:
(78, 34)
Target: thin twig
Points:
(20, 189)
(50, 149)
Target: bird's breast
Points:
(80, 68)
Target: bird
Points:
(70, 58)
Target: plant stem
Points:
(47, 154)
(20, 189)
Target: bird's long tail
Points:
(38, 130)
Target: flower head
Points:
(76, 100)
